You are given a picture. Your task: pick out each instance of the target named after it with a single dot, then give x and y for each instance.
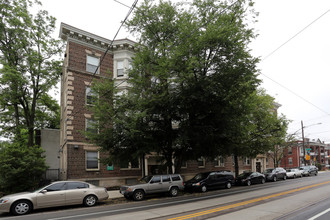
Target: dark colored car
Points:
(309, 170)
(273, 174)
(248, 178)
(210, 180)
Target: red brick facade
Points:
(74, 112)
(294, 156)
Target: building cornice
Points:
(70, 33)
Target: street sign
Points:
(308, 149)
(307, 157)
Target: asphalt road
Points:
(303, 198)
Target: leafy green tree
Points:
(21, 167)
(193, 87)
(29, 68)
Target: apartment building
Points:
(79, 160)
(318, 152)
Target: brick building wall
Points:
(74, 112)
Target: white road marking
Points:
(320, 214)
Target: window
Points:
(219, 162)
(247, 161)
(92, 160)
(175, 177)
(155, 179)
(290, 161)
(56, 187)
(201, 162)
(76, 185)
(289, 150)
(267, 161)
(91, 125)
(91, 96)
(92, 64)
(166, 178)
(183, 163)
(120, 68)
(125, 164)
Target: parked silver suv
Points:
(170, 183)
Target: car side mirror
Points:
(43, 191)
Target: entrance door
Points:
(258, 167)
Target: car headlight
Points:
(4, 200)
(196, 184)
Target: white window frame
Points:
(98, 160)
(198, 160)
(220, 161)
(247, 161)
(121, 70)
(290, 161)
(90, 62)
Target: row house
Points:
(318, 151)
(79, 160)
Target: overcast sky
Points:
(295, 72)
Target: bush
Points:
(21, 167)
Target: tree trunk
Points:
(236, 165)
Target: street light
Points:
(303, 138)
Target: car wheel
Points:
(21, 207)
(316, 174)
(174, 191)
(274, 179)
(138, 195)
(294, 176)
(248, 183)
(90, 200)
(228, 185)
(204, 188)
(284, 177)
(263, 180)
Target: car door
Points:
(166, 183)
(254, 178)
(212, 181)
(52, 195)
(75, 192)
(155, 185)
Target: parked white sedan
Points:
(60, 193)
(293, 173)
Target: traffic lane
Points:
(319, 210)
(285, 208)
(155, 202)
(245, 204)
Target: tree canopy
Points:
(194, 87)
(29, 69)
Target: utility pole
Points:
(303, 141)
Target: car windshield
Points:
(201, 176)
(145, 179)
(289, 170)
(244, 175)
(268, 171)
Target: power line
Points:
(270, 54)
(104, 54)
(295, 35)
